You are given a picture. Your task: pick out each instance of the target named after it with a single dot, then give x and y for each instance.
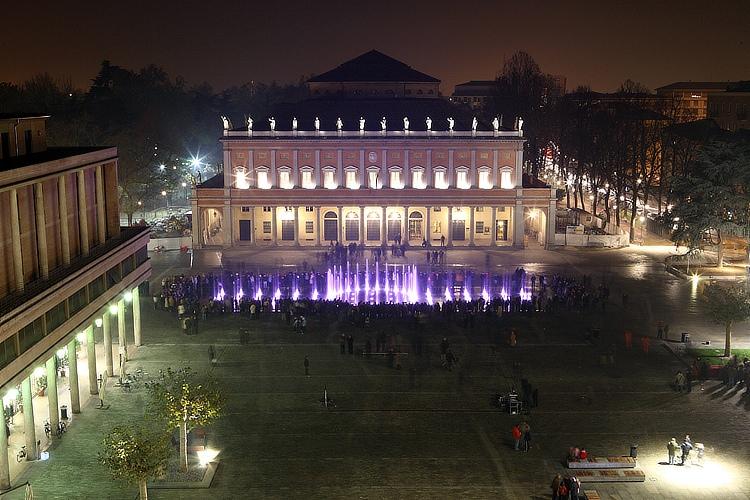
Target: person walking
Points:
(516, 437)
(671, 450)
(556, 482)
(307, 367)
(685, 447)
(526, 436)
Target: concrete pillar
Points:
(107, 331)
(83, 222)
(296, 225)
(29, 429)
(383, 226)
(493, 228)
(137, 317)
(318, 226)
(341, 224)
(273, 224)
(41, 230)
(62, 208)
(428, 228)
(54, 409)
(121, 336)
(227, 225)
(15, 231)
(361, 225)
(91, 359)
(101, 214)
(471, 224)
(4, 467)
(551, 224)
(75, 393)
(450, 226)
(405, 226)
(518, 225)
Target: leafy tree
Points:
(712, 198)
(727, 305)
(135, 454)
(184, 399)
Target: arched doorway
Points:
(351, 227)
(373, 226)
(330, 226)
(394, 226)
(416, 229)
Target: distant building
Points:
(64, 261)
(345, 166)
(731, 109)
(690, 99)
(476, 94)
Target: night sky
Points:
(224, 43)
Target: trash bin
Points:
(64, 412)
(633, 451)
(685, 337)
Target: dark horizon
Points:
(652, 43)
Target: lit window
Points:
(396, 180)
(329, 179)
(263, 180)
(285, 181)
(351, 179)
(245, 208)
(506, 181)
(417, 179)
(462, 179)
(373, 179)
(242, 181)
(484, 179)
(440, 181)
(307, 179)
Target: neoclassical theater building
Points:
(373, 154)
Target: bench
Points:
(611, 476)
(591, 495)
(603, 463)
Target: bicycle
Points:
(47, 429)
(21, 454)
(61, 428)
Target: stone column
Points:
(83, 222)
(273, 224)
(341, 224)
(227, 224)
(101, 214)
(493, 228)
(551, 223)
(383, 226)
(29, 430)
(91, 359)
(428, 229)
(296, 225)
(54, 409)
(15, 231)
(121, 336)
(361, 225)
(405, 226)
(450, 226)
(471, 225)
(518, 225)
(41, 230)
(75, 393)
(318, 226)
(4, 467)
(107, 331)
(62, 207)
(137, 316)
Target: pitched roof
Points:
(696, 86)
(373, 66)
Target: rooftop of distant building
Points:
(373, 66)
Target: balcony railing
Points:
(16, 299)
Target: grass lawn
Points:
(715, 356)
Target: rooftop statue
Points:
(474, 124)
(225, 122)
(451, 122)
(520, 124)
(428, 123)
(406, 124)
(496, 123)
(294, 123)
(339, 124)
(382, 124)
(249, 123)
(361, 124)
(272, 122)
(317, 124)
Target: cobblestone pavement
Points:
(433, 435)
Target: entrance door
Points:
(287, 230)
(459, 230)
(394, 228)
(501, 231)
(330, 230)
(246, 230)
(373, 229)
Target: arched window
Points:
(373, 226)
(351, 228)
(330, 226)
(416, 231)
(394, 225)
(506, 178)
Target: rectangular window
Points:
(28, 140)
(285, 180)
(309, 209)
(287, 230)
(395, 181)
(5, 136)
(351, 179)
(8, 351)
(505, 180)
(373, 176)
(127, 265)
(266, 227)
(479, 227)
(141, 256)
(309, 227)
(352, 230)
(55, 317)
(266, 209)
(459, 230)
(307, 179)
(96, 288)
(417, 180)
(77, 301)
(484, 180)
(245, 209)
(373, 229)
(113, 276)
(329, 181)
(440, 182)
(462, 179)
(245, 230)
(263, 180)
(30, 335)
(330, 230)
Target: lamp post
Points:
(166, 200)
(642, 220)
(184, 187)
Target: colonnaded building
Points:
(69, 277)
(373, 155)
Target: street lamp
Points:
(184, 186)
(642, 220)
(166, 200)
